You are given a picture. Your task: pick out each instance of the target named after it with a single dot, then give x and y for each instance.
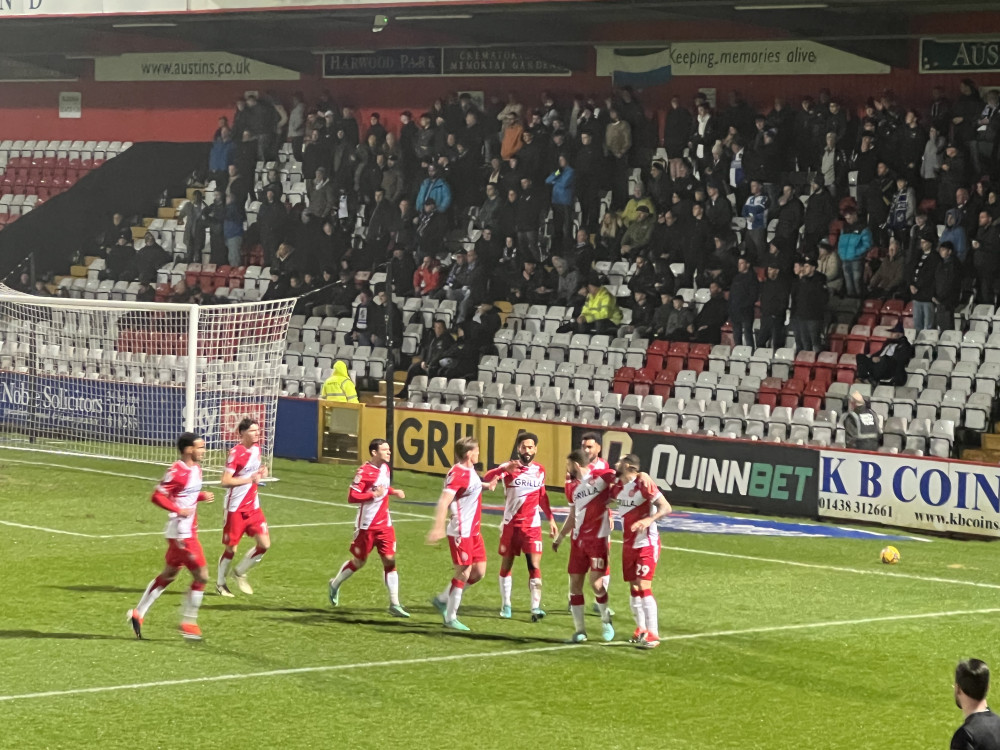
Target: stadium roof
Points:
(877, 29)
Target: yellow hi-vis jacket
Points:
(339, 386)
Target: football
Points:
(890, 555)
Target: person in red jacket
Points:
(427, 278)
(373, 528)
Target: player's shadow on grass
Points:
(105, 589)
(228, 606)
(14, 634)
(430, 627)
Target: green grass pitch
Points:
(836, 651)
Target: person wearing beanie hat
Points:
(889, 362)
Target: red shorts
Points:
(466, 550)
(185, 553)
(383, 539)
(640, 564)
(515, 540)
(589, 554)
(240, 523)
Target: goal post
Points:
(120, 380)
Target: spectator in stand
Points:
(833, 165)
(922, 229)
(618, 144)
(436, 346)
(890, 278)
(679, 320)
(676, 132)
(216, 217)
(489, 212)
(393, 180)
(643, 310)
(637, 237)
(483, 326)
(704, 134)
(535, 285)
(435, 188)
(659, 187)
(911, 142)
(568, 281)
(322, 201)
(510, 138)
(808, 308)
(589, 163)
(922, 286)
(239, 188)
(364, 331)
(930, 166)
(986, 257)
(820, 211)
(232, 227)
(192, 217)
(828, 264)
(952, 176)
(403, 270)
(743, 294)
(774, 297)
(755, 212)
(966, 113)
(528, 215)
(955, 234)
(563, 202)
(852, 247)
(381, 226)
(432, 226)
(120, 263)
(947, 287)
(149, 258)
(790, 214)
(864, 161)
(903, 209)
(718, 209)
(220, 158)
(297, 125)
(707, 325)
(317, 153)
(639, 198)
(272, 221)
(984, 148)
(600, 313)
(880, 194)
(889, 362)
(584, 255)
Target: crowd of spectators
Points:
(831, 200)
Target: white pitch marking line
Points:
(836, 568)
(486, 655)
(45, 528)
(815, 566)
(160, 533)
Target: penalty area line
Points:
(484, 655)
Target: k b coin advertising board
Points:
(945, 497)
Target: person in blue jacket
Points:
(435, 188)
(852, 247)
(755, 212)
(222, 154)
(563, 182)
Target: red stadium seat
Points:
(663, 383)
(791, 393)
(813, 395)
(768, 392)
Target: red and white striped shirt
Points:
(371, 489)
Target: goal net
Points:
(121, 380)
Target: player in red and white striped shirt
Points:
(463, 498)
(590, 444)
(640, 509)
(179, 493)
(524, 480)
(588, 493)
(244, 516)
(373, 528)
